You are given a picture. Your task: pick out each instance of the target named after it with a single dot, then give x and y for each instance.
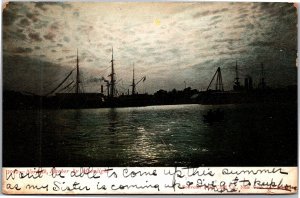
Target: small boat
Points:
(214, 116)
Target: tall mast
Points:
(262, 72)
(219, 82)
(112, 79)
(77, 74)
(133, 83)
(236, 85)
(236, 73)
(263, 84)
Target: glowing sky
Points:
(169, 43)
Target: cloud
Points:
(220, 10)
(255, 5)
(35, 36)
(215, 17)
(64, 5)
(66, 39)
(23, 50)
(50, 36)
(9, 15)
(76, 14)
(203, 34)
(227, 40)
(24, 22)
(215, 22)
(14, 35)
(201, 14)
(68, 57)
(242, 16)
(45, 5)
(41, 5)
(54, 26)
(32, 16)
(40, 76)
(40, 24)
(208, 36)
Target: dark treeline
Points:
(188, 95)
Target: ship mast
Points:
(133, 83)
(262, 82)
(77, 74)
(112, 75)
(237, 85)
(219, 82)
(237, 74)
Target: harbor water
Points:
(171, 135)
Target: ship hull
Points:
(255, 96)
(79, 101)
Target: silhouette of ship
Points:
(79, 99)
(114, 99)
(246, 93)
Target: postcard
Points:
(149, 98)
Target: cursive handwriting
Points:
(37, 173)
(258, 184)
(195, 171)
(226, 171)
(122, 187)
(62, 186)
(88, 172)
(127, 173)
(138, 180)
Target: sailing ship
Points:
(75, 97)
(114, 99)
(78, 98)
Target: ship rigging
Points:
(133, 92)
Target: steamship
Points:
(243, 94)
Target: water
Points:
(174, 135)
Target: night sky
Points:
(169, 43)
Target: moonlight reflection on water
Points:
(174, 135)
